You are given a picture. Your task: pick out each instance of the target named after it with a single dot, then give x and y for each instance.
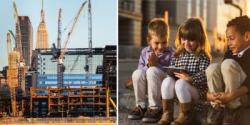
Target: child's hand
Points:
(213, 96)
(225, 98)
(184, 76)
(153, 60)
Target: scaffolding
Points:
(12, 78)
(69, 101)
(39, 96)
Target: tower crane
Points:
(59, 30)
(90, 27)
(9, 49)
(88, 59)
(12, 34)
(18, 33)
(12, 76)
(58, 54)
(17, 69)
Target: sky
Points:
(104, 22)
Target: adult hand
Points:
(184, 76)
(153, 60)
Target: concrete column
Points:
(137, 42)
(183, 10)
(137, 6)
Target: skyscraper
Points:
(42, 34)
(27, 38)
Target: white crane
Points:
(59, 53)
(18, 34)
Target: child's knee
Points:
(168, 82)
(137, 74)
(212, 68)
(180, 85)
(152, 71)
(229, 64)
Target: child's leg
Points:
(233, 76)
(140, 84)
(167, 88)
(215, 84)
(167, 92)
(154, 80)
(214, 78)
(185, 91)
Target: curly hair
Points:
(241, 24)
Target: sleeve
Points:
(246, 83)
(142, 61)
(165, 61)
(200, 77)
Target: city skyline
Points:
(104, 22)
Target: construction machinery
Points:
(12, 74)
(16, 66)
(18, 31)
(88, 59)
(58, 54)
(59, 29)
(84, 94)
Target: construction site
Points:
(57, 84)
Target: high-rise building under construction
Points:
(27, 38)
(42, 34)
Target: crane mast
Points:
(59, 53)
(18, 32)
(90, 27)
(64, 49)
(8, 43)
(16, 66)
(88, 59)
(59, 30)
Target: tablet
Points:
(171, 69)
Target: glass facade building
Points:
(75, 74)
(26, 38)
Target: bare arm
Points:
(239, 92)
(227, 97)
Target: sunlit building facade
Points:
(130, 21)
(75, 74)
(42, 33)
(27, 38)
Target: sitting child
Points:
(148, 77)
(192, 54)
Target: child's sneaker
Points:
(152, 115)
(137, 113)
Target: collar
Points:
(149, 49)
(241, 53)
